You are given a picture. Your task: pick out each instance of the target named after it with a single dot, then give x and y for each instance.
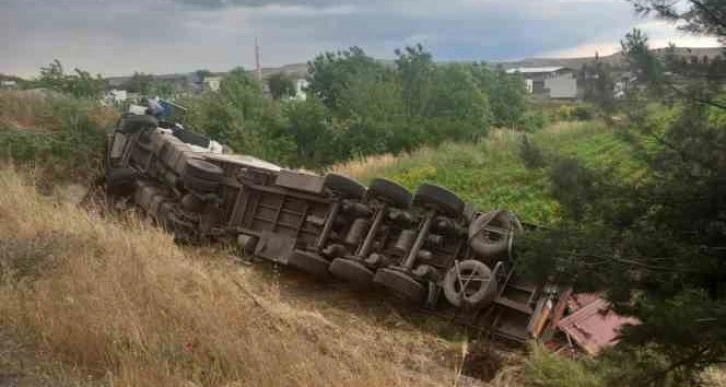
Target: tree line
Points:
(358, 106)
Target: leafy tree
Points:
(416, 69)
(281, 85)
(140, 83)
(242, 92)
(202, 74)
(331, 74)
(81, 84)
(507, 94)
(458, 108)
(655, 244)
(598, 84)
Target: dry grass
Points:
(38, 110)
(116, 302)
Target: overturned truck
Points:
(428, 248)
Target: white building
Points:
(300, 87)
(8, 84)
(549, 82)
(118, 96)
(212, 83)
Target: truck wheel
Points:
(120, 181)
(352, 272)
(390, 191)
(203, 169)
(133, 123)
(472, 286)
(310, 263)
(490, 234)
(440, 198)
(401, 285)
(201, 185)
(345, 186)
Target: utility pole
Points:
(257, 61)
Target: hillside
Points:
(615, 60)
(491, 174)
(87, 298)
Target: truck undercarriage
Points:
(428, 248)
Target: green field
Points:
(491, 174)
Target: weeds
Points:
(61, 136)
(123, 304)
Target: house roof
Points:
(531, 70)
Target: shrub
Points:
(60, 135)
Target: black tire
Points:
(443, 200)
(133, 123)
(121, 181)
(352, 272)
(344, 186)
(479, 290)
(310, 263)
(392, 192)
(200, 185)
(401, 285)
(203, 170)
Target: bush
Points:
(60, 135)
(531, 155)
(532, 121)
(546, 369)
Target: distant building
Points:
(118, 96)
(549, 82)
(8, 84)
(212, 83)
(300, 87)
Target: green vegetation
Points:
(80, 85)
(651, 241)
(491, 174)
(281, 85)
(357, 106)
(60, 135)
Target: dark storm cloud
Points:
(118, 37)
(261, 3)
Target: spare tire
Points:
(479, 285)
(133, 123)
(499, 225)
(352, 272)
(344, 186)
(401, 285)
(203, 170)
(391, 192)
(443, 200)
(194, 183)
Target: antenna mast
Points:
(257, 61)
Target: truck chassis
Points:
(428, 248)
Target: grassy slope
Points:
(490, 173)
(86, 300)
(115, 299)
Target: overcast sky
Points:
(116, 37)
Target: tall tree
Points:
(281, 85)
(140, 83)
(80, 84)
(332, 73)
